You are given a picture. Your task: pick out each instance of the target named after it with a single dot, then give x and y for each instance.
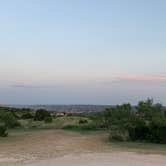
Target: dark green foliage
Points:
(86, 127)
(41, 114)
(154, 131)
(9, 119)
(119, 135)
(99, 120)
(118, 116)
(138, 130)
(3, 130)
(147, 122)
(148, 110)
(48, 120)
(18, 113)
(27, 115)
(158, 131)
(83, 121)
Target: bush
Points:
(80, 127)
(3, 130)
(148, 110)
(118, 116)
(158, 131)
(9, 120)
(41, 115)
(48, 120)
(138, 129)
(119, 135)
(146, 122)
(27, 115)
(83, 121)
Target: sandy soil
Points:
(105, 159)
(63, 148)
(22, 147)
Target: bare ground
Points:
(21, 147)
(62, 148)
(105, 159)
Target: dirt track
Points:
(23, 147)
(63, 148)
(106, 159)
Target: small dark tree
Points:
(27, 115)
(48, 120)
(83, 121)
(138, 130)
(3, 130)
(41, 114)
(9, 120)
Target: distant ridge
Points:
(67, 108)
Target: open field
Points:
(50, 146)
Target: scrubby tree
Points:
(41, 114)
(27, 115)
(3, 130)
(48, 119)
(8, 119)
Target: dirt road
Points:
(106, 159)
(63, 148)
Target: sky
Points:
(82, 51)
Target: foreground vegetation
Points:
(147, 122)
(144, 122)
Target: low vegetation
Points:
(147, 122)
(41, 114)
(144, 122)
(3, 130)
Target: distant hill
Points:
(66, 108)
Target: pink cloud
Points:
(141, 77)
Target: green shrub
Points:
(83, 121)
(70, 127)
(158, 131)
(27, 115)
(119, 135)
(118, 116)
(9, 120)
(48, 120)
(148, 110)
(41, 114)
(138, 129)
(3, 130)
(80, 127)
(90, 126)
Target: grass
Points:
(29, 125)
(57, 123)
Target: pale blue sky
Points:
(82, 51)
